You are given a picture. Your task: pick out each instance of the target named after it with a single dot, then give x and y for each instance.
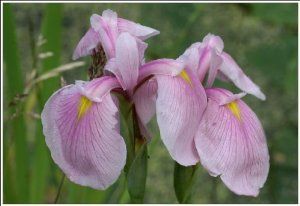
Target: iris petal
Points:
(233, 72)
(168, 67)
(89, 149)
(144, 100)
(179, 110)
(106, 26)
(127, 60)
(231, 143)
(87, 43)
(138, 30)
(105, 30)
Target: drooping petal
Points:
(87, 44)
(96, 89)
(233, 72)
(144, 100)
(83, 137)
(179, 109)
(222, 77)
(138, 30)
(231, 143)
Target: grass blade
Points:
(137, 175)
(15, 84)
(51, 31)
(184, 180)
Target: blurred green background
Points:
(40, 37)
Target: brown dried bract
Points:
(98, 63)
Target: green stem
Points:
(59, 188)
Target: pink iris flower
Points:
(228, 136)
(104, 31)
(81, 122)
(82, 127)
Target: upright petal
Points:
(231, 143)
(204, 62)
(111, 19)
(233, 72)
(191, 57)
(83, 137)
(179, 109)
(211, 45)
(87, 44)
(138, 30)
(214, 41)
(127, 60)
(142, 46)
(215, 63)
(106, 26)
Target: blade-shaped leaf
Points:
(127, 130)
(51, 31)
(136, 178)
(14, 85)
(184, 179)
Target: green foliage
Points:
(127, 130)
(284, 14)
(184, 181)
(261, 37)
(51, 32)
(14, 82)
(137, 175)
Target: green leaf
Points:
(8, 189)
(127, 130)
(136, 178)
(51, 31)
(184, 179)
(13, 71)
(15, 84)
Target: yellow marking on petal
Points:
(84, 105)
(185, 76)
(234, 108)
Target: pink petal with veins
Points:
(135, 29)
(144, 100)
(232, 71)
(179, 108)
(231, 143)
(84, 136)
(87, 44)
